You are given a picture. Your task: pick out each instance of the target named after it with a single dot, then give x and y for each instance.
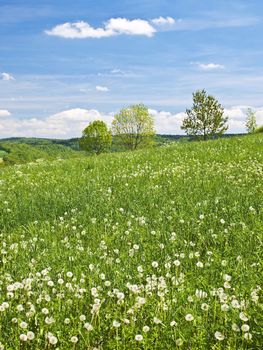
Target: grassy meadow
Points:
(154, 249)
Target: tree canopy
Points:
(251, 122)
(96, 138)
(205, 118)
(134, 126)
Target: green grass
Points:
(19, 153)
(134, 240)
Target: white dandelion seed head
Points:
(219, 336)
(245, 328)
(116, 324)
(189, 317)
(88, 327)
(243, 317)
(146, 329)
(23, 337)
(138, 337)
(74, 339)
(30, 335)
(248, 336)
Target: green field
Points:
(155, 249)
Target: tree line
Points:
(133, 127)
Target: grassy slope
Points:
(20, 153)
(203, 199)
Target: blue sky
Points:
(64, 63)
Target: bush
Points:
(259, 129)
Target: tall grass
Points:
(156, 249)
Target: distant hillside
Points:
(72, 143)
(19, 150)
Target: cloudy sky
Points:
(64, 63)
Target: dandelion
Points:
(224, 307)
(116, 324)
(248, 336)
(179, 342)
(20, 308)
(53, 340)
(245, 328)
(140, 269)
(156, 320)
(173, 323)
(219, 336)
(30, 335)
(45, 311)
(146, 329)
(227, 285)
(88, 327)
(235, 327)
(120, 296)
(138, 337)
(74, 339)
(235, 304)
(227, 278)
(23, 325)
(189, 317)
(155, 264)
(49, 320)
(204, 307)
(23, 337)
(199, 264)
(243, 317)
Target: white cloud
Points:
(70, 123)
(130, 27)
(66, 124)
(114, 26)
(4, 113)
(7, 76)
(237, 118)
(162, 21)
(167, 122)
(124, 26)
(102, 88)
(210, 66)
(116, 71)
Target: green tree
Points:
(251, 122)
(134, 126)
(96, 138)
(205, 118)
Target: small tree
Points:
(205, 118)
(251, 122)
(96, 138)
(134, 126)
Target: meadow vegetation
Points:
(12, 152)
(159, 248)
